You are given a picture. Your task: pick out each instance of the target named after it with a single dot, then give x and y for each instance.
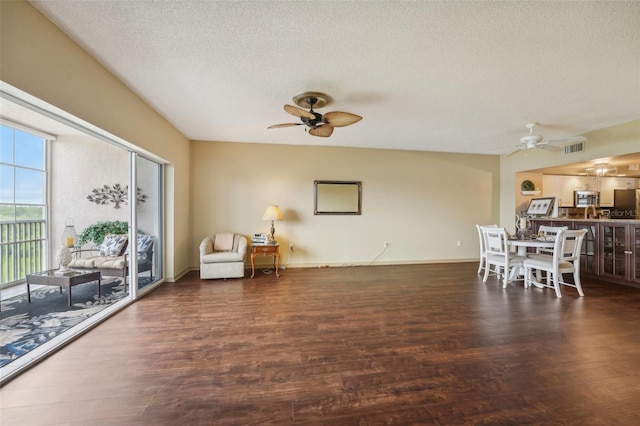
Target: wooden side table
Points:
(265, 250)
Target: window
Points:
(23, 207)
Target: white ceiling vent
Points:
(573, 148)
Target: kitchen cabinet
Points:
(620, 248)
(589, 257)
(634, 256)
(607, 185)
(567, 186)
(585, 183)
(561, 187)
(620, 182)
(610, 249)
(631, 183)
(623, 182)
(590, 253)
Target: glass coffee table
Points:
(68, 280)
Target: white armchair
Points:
(222, 256)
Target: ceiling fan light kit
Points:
(602, 170)
(318, 124)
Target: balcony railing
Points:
(22, 249)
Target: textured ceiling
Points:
(436, 76)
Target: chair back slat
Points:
(572, 243)
(547, 232)
(550, 231)
(495, 240)
(481, 237)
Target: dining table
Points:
(521, 245)
(536, 242)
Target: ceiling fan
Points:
(536, 141)
(319, 124)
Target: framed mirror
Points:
(337, 197)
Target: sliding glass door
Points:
(148, 218)
(93, 182)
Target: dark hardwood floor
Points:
(414, 344)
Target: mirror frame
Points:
(358, 202)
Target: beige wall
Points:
(522, 201)
(39, 59)
(422, 203)
(600, 144)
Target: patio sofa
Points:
(111, 258)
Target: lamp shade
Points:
(272, 213)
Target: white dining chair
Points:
(483, 251)
(549, 232)
(565, 259)
(498, 253)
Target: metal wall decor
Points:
(116, 195)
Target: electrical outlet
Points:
(290, 246)
(459, 243)
(386, 244)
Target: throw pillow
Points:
(113, 245)
(144, 244)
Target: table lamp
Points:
(272, 213)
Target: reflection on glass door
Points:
(149, 221)
(635, 252)
(614, 250)
(589, 256)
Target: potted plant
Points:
(95, 233)
(528, 188)
(527, 185)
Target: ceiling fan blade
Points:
(340, 119)
(298, 112)
(277, 126)
(565, 140)
(322, 131)
(551, 148)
